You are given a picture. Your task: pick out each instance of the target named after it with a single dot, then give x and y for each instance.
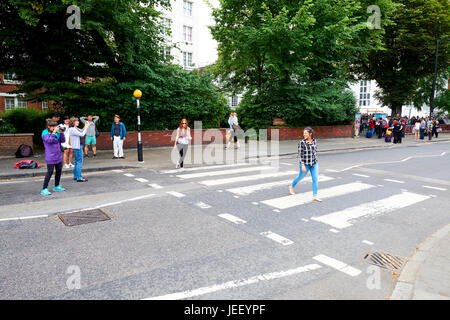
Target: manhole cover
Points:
(83, 217)
(385, 260)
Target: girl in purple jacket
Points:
(52, 139)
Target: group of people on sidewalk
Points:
(62, 141)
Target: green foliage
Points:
(409, 50)
(422, 95)
(285, 54)
(6, 127)
(27, 121)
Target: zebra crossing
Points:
(260, 181)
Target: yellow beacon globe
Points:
(137, 93)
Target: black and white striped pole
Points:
(138, 94)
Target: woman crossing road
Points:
(182, 141)
(307, 152)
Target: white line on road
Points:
(338, 265)
(244, 191)
(277, 238)
(306, 197)
(395, 181)
(236, 283)
(128, 174)
(361, 175)
(334, 230)
(176, 194)
(435, 188)
(331, 170)
(206, 167)
(340, 219)
(232, 218)
(155, 186)
(217, 182)
(203, 205)
(24, 218)
(223, 172)
(368, 242)
(141, 180)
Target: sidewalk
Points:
(160, 158)
(426, 275)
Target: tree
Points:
(281, 52)
(409, 51)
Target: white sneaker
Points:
(177, 166)
(71, 165)
(66, 166)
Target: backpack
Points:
(27, 164)
(387, 138)
(24, 151)
(369, 134)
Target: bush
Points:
(27, 121)
(6, 127)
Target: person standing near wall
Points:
(90, 138)
(118, 136)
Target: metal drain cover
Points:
(83, 217)
(385, 260)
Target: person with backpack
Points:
(75, 134)
(118, 136)
(91, 134)
(307, 154)
(52, 139)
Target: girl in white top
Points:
(68, 152)
(182, 141)
(417, 130)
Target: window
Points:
(9, 76)
(10, 103)
(187, 33)
(44, 105)
(364, 96)
(187, 8)
(234, 101)
(166, 26)
(21, 103)
(187, 59)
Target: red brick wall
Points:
(319, 132)
(159, 138)
(10, 142)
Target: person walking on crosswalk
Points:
(182, 141)
(307, 152)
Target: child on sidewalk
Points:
(52, 139)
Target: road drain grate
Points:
(83, 217)
(385, 260)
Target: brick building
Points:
(9, 101)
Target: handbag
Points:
(96, 132)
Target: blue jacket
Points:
(123, 131)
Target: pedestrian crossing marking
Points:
(277, 238)
(232, 218)
(203, 205)
(306, 197)
(141, 179)
(340, 219)
(206, 168)
(338, 265)
(176, 194)
(244, 191)
(128, 174)
(223, 172)
(217, 182)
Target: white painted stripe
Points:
(395, 181)
(176, 194)
(206, 167)
(340, 219)
(338, 265)
(244, 191)
(203, 205)
(255, 203)
(128, 174)
(435, 188)
(276, 210)
(306, 220)
(277, 238)
(332, 170)
(155, 186)
(141, 179)
(236, 283)
(361, 175)
(24, 218)
(334, 230)
(368, 242)
(223, 172)
(232, 218)
(303, 198)
(287, 164)
(217, 182)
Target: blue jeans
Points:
(314, 175)
(78, 153)
(422, 133)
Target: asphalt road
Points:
(225, 232)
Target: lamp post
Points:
(433, 89)
(138, 94)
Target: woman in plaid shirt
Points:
(307, 152)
